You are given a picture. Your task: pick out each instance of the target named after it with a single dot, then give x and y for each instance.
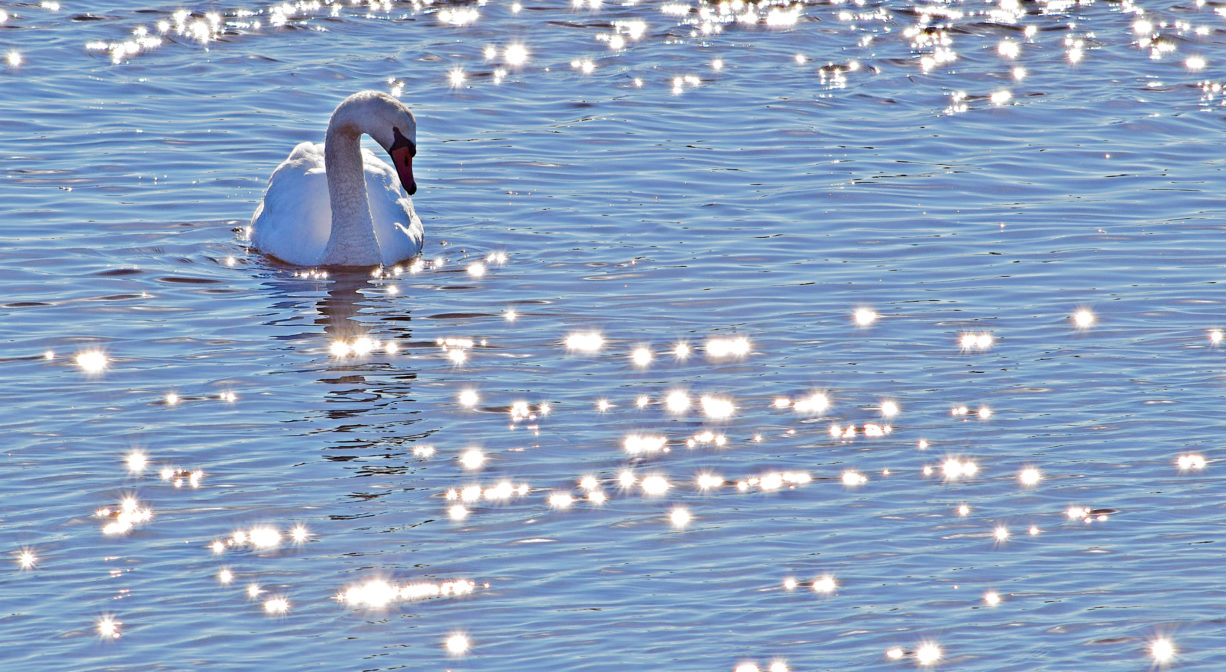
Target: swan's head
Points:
(390, 123)
(392, 126)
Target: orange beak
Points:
(402, 158)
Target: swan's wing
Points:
(294, 219)
(396, 224)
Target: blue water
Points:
(706, 179)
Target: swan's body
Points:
(337, 204)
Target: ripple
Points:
(833, 257)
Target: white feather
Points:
(294, 220)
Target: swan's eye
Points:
(401, 142)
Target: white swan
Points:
(337, 204)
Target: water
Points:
(659, 174)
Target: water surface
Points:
(737, 179)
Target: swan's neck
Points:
(352, 241)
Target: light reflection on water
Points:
(621, 387)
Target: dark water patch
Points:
(187, 280)
(118, 272)
(119, 297)
(460, 316)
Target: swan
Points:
(337, 203)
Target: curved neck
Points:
(352, 241)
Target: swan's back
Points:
(293, 221)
